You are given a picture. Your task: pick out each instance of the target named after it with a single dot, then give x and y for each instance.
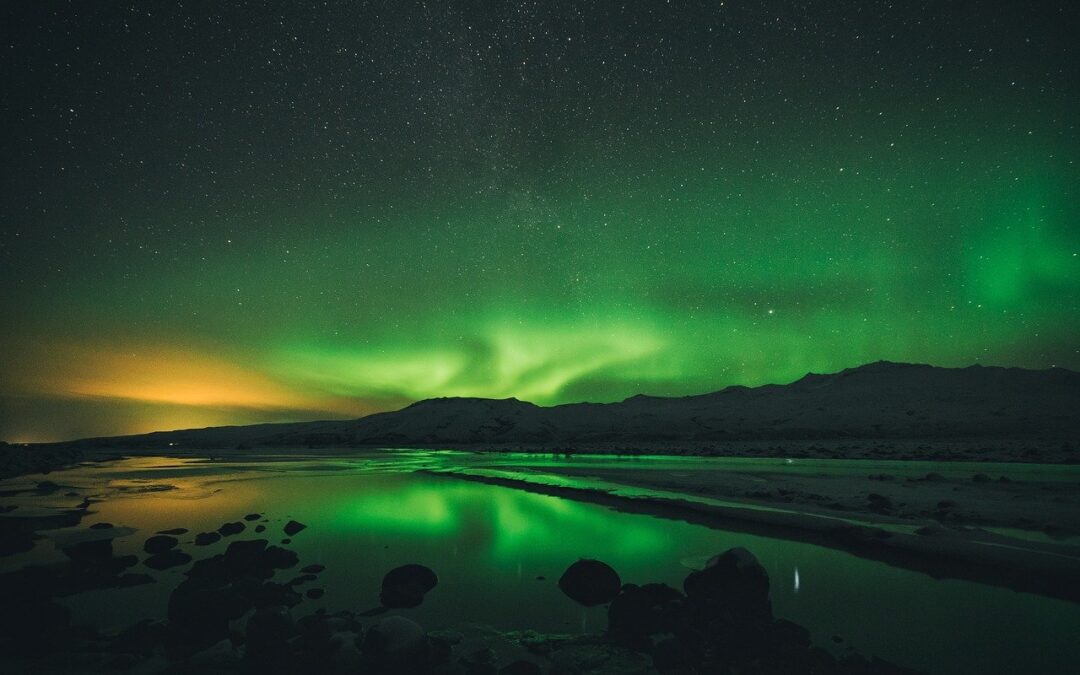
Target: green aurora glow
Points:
(616, 233)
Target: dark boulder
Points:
(673, 655)
(641, 611)
(167, 559)
(229, 529)
(199, 612)
(879, 503)
(280, 558)
(590, 582)
(47, 487)
(95, 553)
(207, 538)
(397, 645)
(176, 531)
(788, 637)
(140, 639)
(252, 516)
(734, 578)
(292, 528)
(521, 667)
(407, 585)
(267, 642)
(159, 544)
(245, 555)
(312, 569)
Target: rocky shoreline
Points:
(231, 614)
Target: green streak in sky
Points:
(596, 261)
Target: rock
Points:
(176, 531)
(141, 638)
(314, 593)
(267, 639)
(159, 544)
(879, 503)
(269, 594)
(207, 538)
(221, 657)
(90, 553)
(199, 612)
(47, 487)
(590, 582)
(15, 539)
(981, 478)
(521, 667)
(292, 528)
(788, 636)
(312, 569)
(933, 477)
(395, 640)
(734, 578)
(673, 655)
(260, 528)
(407, 585)
(252, 516)
(167, 559)
(245, 555)
(280, 558)
(102, 526)
(640, 611)
(229, 529)
(599, 659)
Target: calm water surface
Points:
(489, 544)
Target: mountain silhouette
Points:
(881, 400)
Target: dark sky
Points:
(233, 212)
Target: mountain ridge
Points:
(879, 400)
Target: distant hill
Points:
(880, 400)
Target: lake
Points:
(499, 551)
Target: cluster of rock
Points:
(721, 621)
(228, 614)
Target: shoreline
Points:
(22, 459)
(980, 556)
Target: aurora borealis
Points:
(240, 212)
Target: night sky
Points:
(217, 213)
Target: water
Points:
(368, 514)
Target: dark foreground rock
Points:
(160, 543)
(590, 582)
(229, 529)
(407, 585)
(207, 538)
(228, 615)
(167, 560)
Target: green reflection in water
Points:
(489, 544)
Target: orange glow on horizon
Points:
(171, 377)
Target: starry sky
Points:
(225, 213)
